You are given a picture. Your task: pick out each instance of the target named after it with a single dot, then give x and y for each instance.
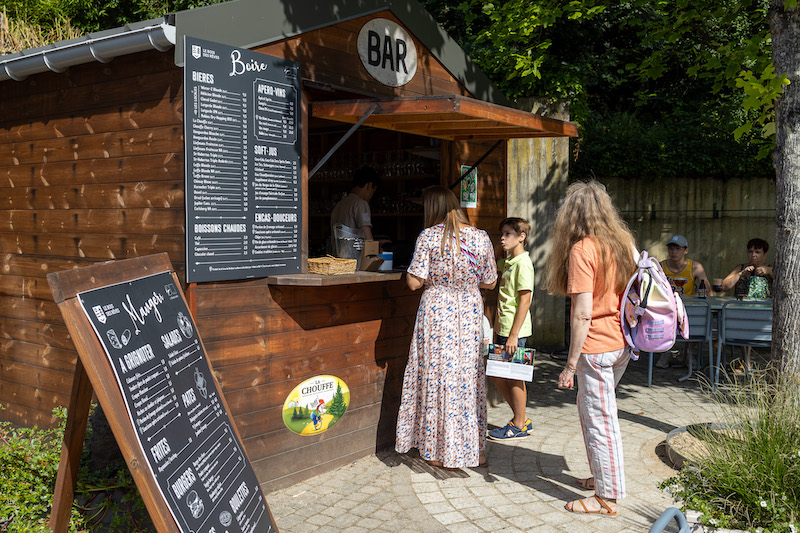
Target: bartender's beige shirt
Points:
(352, 211)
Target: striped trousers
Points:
(598, 375)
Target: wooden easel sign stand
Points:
(139, 350)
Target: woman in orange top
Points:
(591, 259)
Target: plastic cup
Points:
(679, 283)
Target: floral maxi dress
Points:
(443, 404)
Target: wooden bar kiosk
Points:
(93, 159)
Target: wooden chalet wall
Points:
(91, 169)
(264, 340)
(491, 208)
(330, 56)
(492, 172)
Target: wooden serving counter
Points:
(319, 280)
(265, 336)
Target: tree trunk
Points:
(785, 28)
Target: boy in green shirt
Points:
(513, 325)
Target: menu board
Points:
(243, 187)
(182, 427)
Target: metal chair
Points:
(698, 313)
(666, 517)
(743, 323)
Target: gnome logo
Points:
(318, 413)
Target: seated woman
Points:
(753, 280)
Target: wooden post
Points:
(74, 433)
(191, 299)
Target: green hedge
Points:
(622, 145)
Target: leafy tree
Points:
(520, 44)
(784, 21)
(752, 45)
(681, 144)
(727, 43)
(598, 54)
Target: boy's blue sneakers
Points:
(511, 432)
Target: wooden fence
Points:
(716, 216)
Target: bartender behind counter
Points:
(353, 210)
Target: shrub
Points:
(29, 459)
(29, 463)
(683, 145)
(16, 35)
(749, 478)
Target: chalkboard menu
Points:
(243, 196)
(182, 426)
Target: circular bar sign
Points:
(388, 52)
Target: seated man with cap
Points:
(677, 265)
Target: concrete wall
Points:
(537, 179)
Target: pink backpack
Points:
(651, 313)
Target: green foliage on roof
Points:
(692, 81)
(92, 15)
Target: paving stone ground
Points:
(526, 483)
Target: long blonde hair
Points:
(587, 211)
(441, 206)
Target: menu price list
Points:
(242, 163)
(182, 427)
(275, 111)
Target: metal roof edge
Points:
(100, 46)
(250, 23)
(246, 24)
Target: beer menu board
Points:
(243, 196)
(182, 426)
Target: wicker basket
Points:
(331, 266)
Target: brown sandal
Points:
(586, 483)
(438, 464)
(604, 510)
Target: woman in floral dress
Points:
(443, 406)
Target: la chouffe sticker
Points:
(315, 405)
